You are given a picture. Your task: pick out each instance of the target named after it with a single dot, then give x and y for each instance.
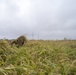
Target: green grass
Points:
(38, 58)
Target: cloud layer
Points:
(39, 19)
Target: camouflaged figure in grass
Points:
(19, 41)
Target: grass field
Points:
(38, 58)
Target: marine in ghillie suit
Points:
(19, 41)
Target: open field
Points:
(38, 58)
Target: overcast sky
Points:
(39, 19)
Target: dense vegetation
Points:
(38, 58)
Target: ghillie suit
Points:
(19, 41)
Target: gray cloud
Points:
(44, 19)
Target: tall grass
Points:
(38, 58)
